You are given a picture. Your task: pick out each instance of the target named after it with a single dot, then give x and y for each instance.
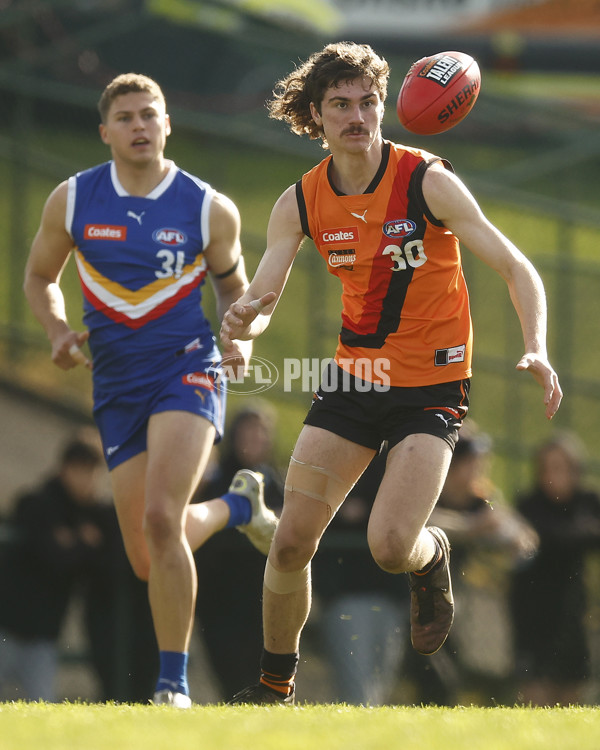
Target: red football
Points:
(438, 92)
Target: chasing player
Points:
(145, 235)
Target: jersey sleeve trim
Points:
(209, 194)
(205, 217)
(70, 211)
(417, 187)
(302, 209)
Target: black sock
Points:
(278, 671)
(437, 556)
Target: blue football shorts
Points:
(346, 406)
(122, 419)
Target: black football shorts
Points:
(346, 406)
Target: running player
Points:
(387, 220)
(145, 235)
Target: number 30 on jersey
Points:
(412, 254)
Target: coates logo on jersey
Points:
(339, 236)
(170, 237)
(399, 228)
(199, 379)
(104, 232)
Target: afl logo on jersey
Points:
(169, 237)
(398, 228)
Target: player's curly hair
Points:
(126, 83)
(335, 64)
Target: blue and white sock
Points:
(173, 672)
(240, 509)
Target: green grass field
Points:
(331, 727)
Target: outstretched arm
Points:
(49, 253)
(227, 269)
(248, 317)
(451, 203)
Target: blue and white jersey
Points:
(141, 265)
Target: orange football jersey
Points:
(405, 315)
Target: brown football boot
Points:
(431, 602)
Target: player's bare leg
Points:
(207, 518)
(161, 530)
(415, 474)
(300, 528)
(152, 491)
(202, 520)
(303, 521)
(128, 480)
(287, 590)
(179, 446)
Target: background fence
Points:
(530, 151)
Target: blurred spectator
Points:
(361, 610)
(549, 593)
(63, 540)
(231, 626)
(488, 540)
(62, 531)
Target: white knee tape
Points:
(286, 583)
(318, 483)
